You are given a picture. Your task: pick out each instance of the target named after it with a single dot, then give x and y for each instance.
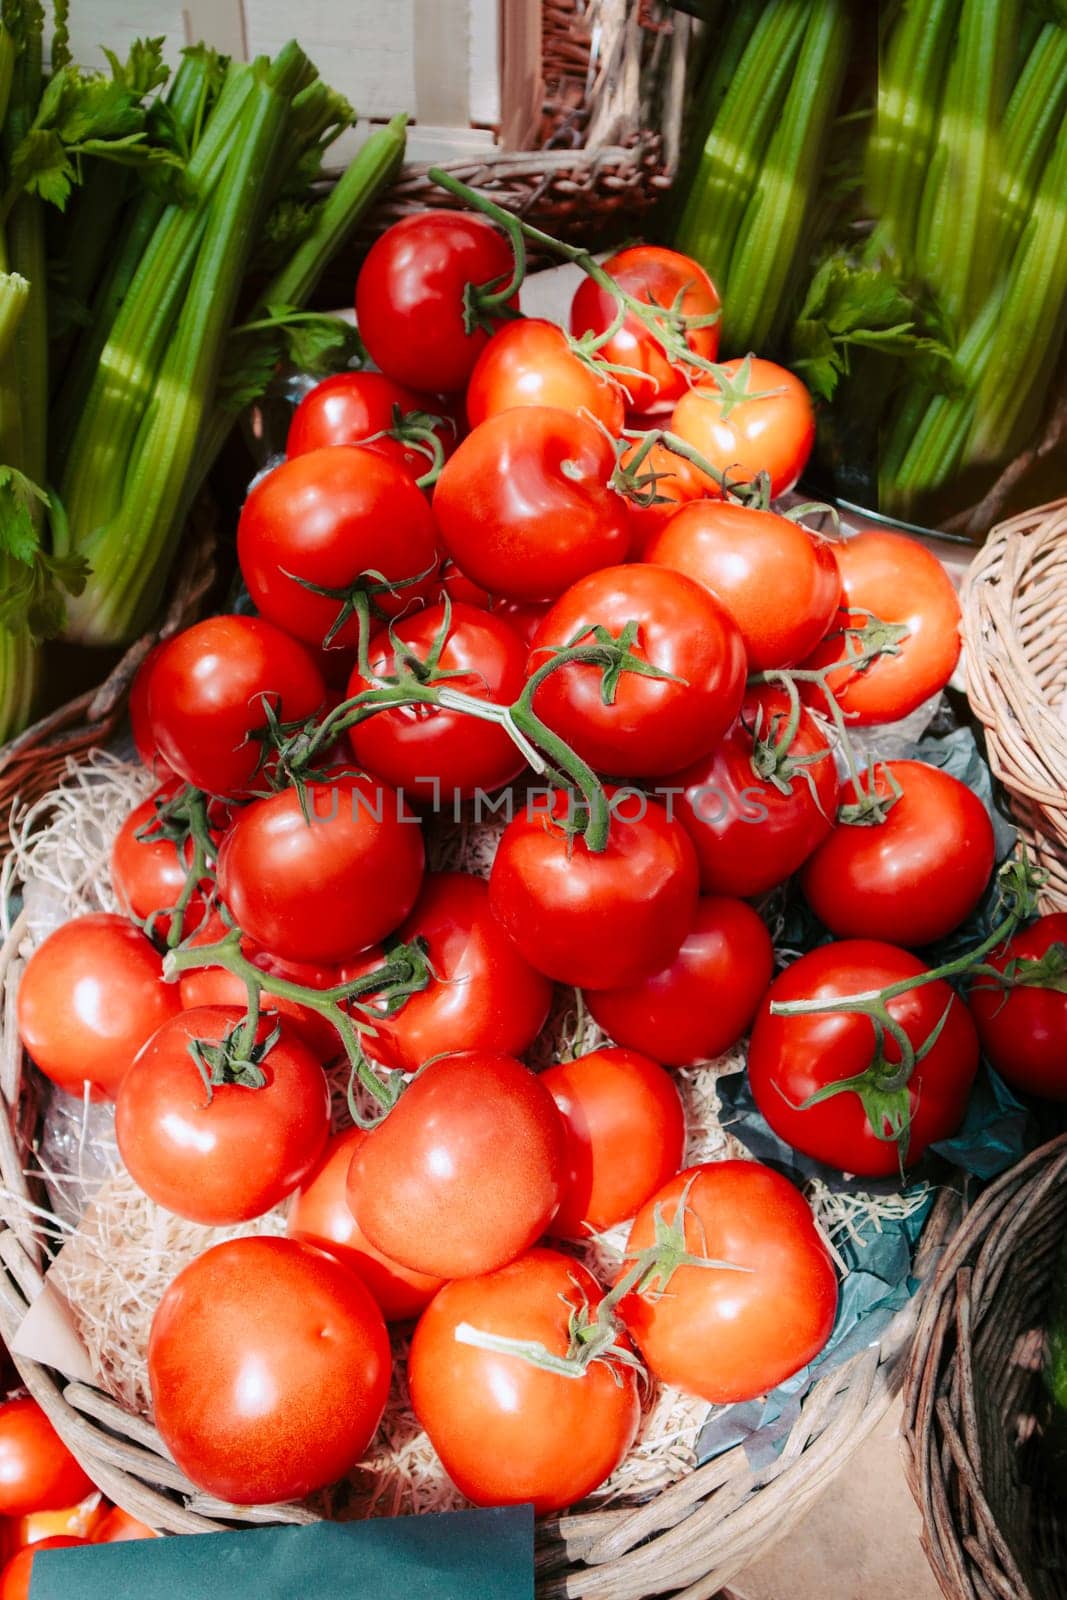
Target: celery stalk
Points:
(1036, 109)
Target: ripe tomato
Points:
(529, 363)
(483, 995)
(322, 889)
(772, 432)
(704, 999)
(750, 833)
(677, 482)
(778, 582)
(90, 996)
(37, 1471)
(118, 1526)
(648, 725)
(625, 1132)
(269, 1367)
(595, 920)
(16, 1577)
(658, 277)
(321, 1215)
(149, 875)
(913, 877)
(317, 520)
(231, 1152)
(896, 579)
(1024, 1029)
(207, 694)
(526, 507)
(350, 407)
(731, 1335)
(410, 296)
(430, 752)
(467, 1169)
(509, 1432)
(791, 1058)
(140, 722)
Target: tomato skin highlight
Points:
(37, 1471)
(350, 407)
(703, 1000)
(269, 1368)
(774, 434)
(912, 878)
(1024, 1030)
(529, 363)
(17, 1575)
(725, 1335)
(91, 995)
(508, 1432)
(466, 1171)
(791, 1058)
(595, 920)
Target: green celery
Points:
(1036, 109)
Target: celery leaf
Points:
(34, 581)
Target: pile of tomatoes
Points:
(539, 581)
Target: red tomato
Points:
(625, 1133)
(148, 875)
(321, 1215)
(658, 277)
(649, 725)
(427, 751)
(677, 482)
(90, 996)
(351, 407)
(778, 582)
(16, 1577)
(1024, 1029)
(791, 1058)
(529, 363)
(772, 432)
(410, 296)
(322, 889)
(913, 877)
(483, 995)
(269, 1367)
(896, 579)
(140, 723)
(732, 1335)
(467, 1169)
(225, 1154)
(317, 520)
(749, 832)
(37, 1471)
(703, 1000)
(118, 1526)
(595, 920)
(457, 586)
(526, 507)
(207, 696)
(509, 1432)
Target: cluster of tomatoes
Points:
(603, 638)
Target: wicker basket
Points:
(974, 1393)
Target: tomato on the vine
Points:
(757, 417)
(356, 407)
(140, 720)
(37, 1471)
(667, 482)
(529, 363)
(148, 875)
(1023, 1028)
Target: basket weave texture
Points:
(974, 1394)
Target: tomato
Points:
(208, 693)
(410, 296)
(778, 582)
(316, 522)
(509, 1432)
(529, 363)
(457, 586)
(625, 1133)
(676, 482)
(148, 875)
(430, 752)
(90, 996)
(752, 832)
(483, 994)
(83, 1520)
(649, 725)
(595, 920)
(223, 1154)
(657, 277)
(791, 1058)
(269, 1367)
(894, 578)
(37, 1471)
(16, 1577)
(466, 1170)
(526, 507)
(702, 1000)
(321, 1215)
(351, 407)
(118, 1526)
(773, 431)
(1024, 1029)
(913, 877)
(322, 889)
(140, 722)
(732, 1335)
